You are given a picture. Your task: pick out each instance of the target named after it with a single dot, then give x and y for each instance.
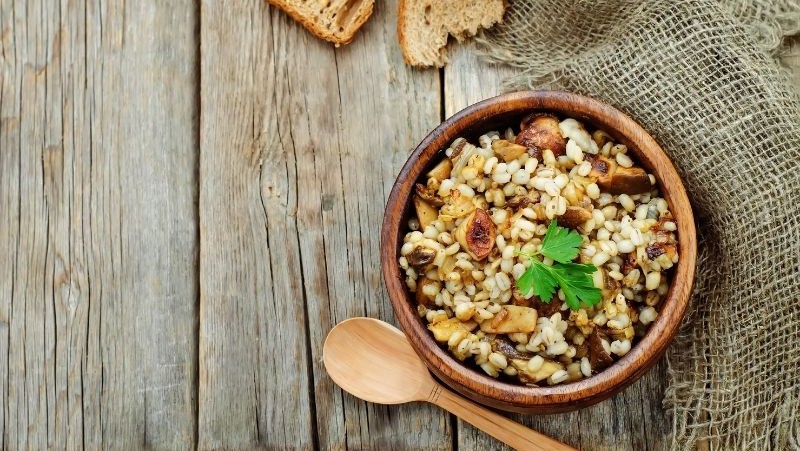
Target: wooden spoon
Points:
(374, 361)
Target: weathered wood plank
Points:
(254, 369)
(300, 144)
(633, 419)
(98, 255)
(384, 108)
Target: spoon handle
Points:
(496, 425)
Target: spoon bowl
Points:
(374, 361)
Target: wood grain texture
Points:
(254, 380)
(98, 256)
(99, 228)
(511, 433)
(375, 111)
(300, 144)
(633, 419)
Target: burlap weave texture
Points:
(702, 78)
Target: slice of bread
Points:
(424, 25)
(335, 21)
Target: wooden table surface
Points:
(190, 198)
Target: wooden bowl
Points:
(498, 113)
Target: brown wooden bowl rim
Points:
(661, 332)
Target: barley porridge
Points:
(541, 256)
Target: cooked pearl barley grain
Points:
(469, 298)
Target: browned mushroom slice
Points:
(527, 121)
(442, 170)
(421, 256)
(539, 132)
(420, 296)
(507, 348)
(442, 330)
(511, 319)
(508, 151)
(546, 309)
(428, 196)
(582, 350)
(523, 378)
(610, 284)
(517, 203)
(574, 217)
(518, 298)
(616, 179)
(617, 334)
(457, 205)
(598, 357)
(476, 234)
(602, 168)
(527, 376)
(628, 263)
(654, 250)
(627, 181)
(425, 213)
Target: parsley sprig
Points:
(561, 245)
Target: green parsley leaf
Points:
(576, 267)
(560, 243)
(526, 281)
(574, 279)
(577, 285)
(538, 280)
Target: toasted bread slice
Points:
(335, 21)
(424, 25)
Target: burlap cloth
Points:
(702, 77)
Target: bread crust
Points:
(405, 45)
(401, 25)
(363, 13)
(441, 59)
